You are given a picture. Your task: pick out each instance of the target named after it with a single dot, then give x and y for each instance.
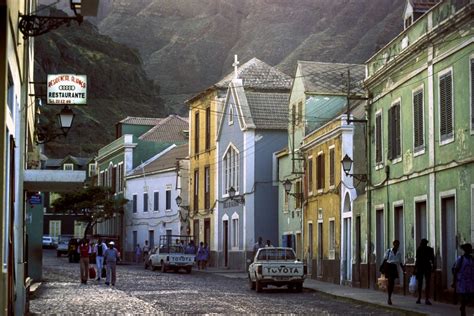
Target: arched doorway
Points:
(346, 266)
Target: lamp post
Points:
(347, 166)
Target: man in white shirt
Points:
(99, 251)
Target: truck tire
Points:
(58, 254)
(258, 286)
(251, 284)
(188, 270)
(291, 286)
(163, 267)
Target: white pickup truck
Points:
(276, 266)
(170, 257)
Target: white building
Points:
(152, 189)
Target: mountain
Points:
(117, 86)
(187, 45)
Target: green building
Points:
(421, 141)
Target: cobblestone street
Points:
(151, 292)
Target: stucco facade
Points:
(204, 110)
(421, 177)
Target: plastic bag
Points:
(382, 282)
(412, 285)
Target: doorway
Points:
(207, 232)
(151, 239)
(196, 231)
(357, 245)
(420, 222)
(347, 251)
(319, 263)
(448, 239)
(380, 237)
(225, 231)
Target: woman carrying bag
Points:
(392, 259)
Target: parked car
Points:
(276, 266)
(63, 245)
(48, 242)
(172, 254)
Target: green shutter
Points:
(418, 119)
(445, 106)
(378, 138)
(472, 93)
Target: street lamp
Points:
(65, 120)
(232, 197)
(347, 166)
(287, 185)
(34, 25)
(179, 202)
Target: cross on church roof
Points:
(235, 64)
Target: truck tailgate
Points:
(283, 270)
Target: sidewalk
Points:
(367, 296)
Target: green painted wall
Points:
(34, 230)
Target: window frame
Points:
(134, 203)
(310, 175)
(332, 238)
(231, 115)
(208, 129)
(145, 202)
(156, 201)
(196, 190)
(235, 230)
(332, 166)
(67, 165)
(168, 205)
(419, 150)
(320, 170)
(379, 163)
(394, 105)
(196, 132)
(231, 170)
(443, 140)
(207, 187)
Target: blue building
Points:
(251, 129)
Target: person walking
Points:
(201, 256)
(138, 253)
(84, 252)
(464, 277)
(424, 265)
(99, 251)
(111, 257)
(394, 258)
(207, 255)
(259, 244)
(146, 250)
(268, 244)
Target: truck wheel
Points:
(251, 284)
(291, 286)
(188, 270)
(163, 267)
(258, 286)
(299, 287)
(58, 254)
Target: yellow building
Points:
(322, 152)
(204, 110)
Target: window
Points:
(446, 106)
(134, 205)
(91, 169)
(208, 128)
(285, 206)
(10, 92)
(231, 114)
(332, 166)
(332, 239)
(378, 138)
(134, 239)
(298, 193)
(68, 166)
(196, 190)
(231, 169)
(310, 174)
(394, 141)
(320, 172)
(418, 139)
(168, 199)
(145, 202)
(54, 228)
(155, 201)
(196, 133)
(120, 177)
(114, 179)
(207, 188)
(235, 233)
(472, 94)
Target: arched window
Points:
(231, 169)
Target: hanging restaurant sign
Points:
(67, 89)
